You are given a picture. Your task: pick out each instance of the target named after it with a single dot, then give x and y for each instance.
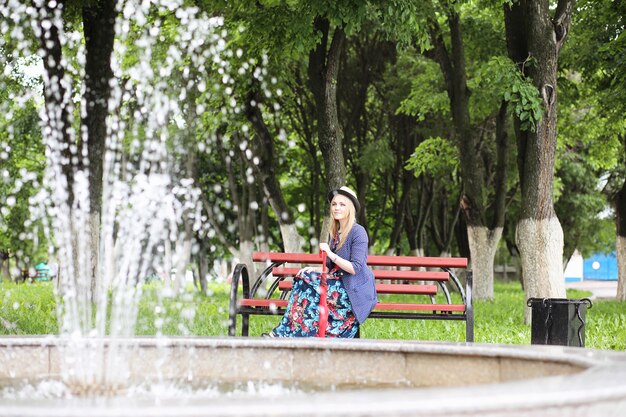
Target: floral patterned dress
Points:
(302, 317)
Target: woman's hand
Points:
(324, 246)
(344, 264)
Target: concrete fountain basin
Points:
(355, 378)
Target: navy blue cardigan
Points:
(361, 287)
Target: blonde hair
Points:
(334, 224)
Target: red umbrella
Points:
(323, 321)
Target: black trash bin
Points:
(558, 321)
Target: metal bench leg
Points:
(469, 308)
(232, 324)
(240, 272)
(245, 322)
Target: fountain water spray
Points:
(149, 199)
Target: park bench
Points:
(269, 293)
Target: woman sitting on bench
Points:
(351, 290)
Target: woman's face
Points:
(340, 207)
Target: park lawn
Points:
(30, 309)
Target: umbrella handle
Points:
(323, 309)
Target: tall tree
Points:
(86, 152)
(535, 35)
(484, 212)
(99, 31)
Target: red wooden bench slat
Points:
(381, 274)
(372, 260)
(253, 302)
(415, 261)
(411, 275)
(305, 258)
(256, 302)
(429, 307)
(406, 289)
(385, 288)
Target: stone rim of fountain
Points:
(562, 380)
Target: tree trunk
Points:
(442, 221)
(264, 240)
(63, 150)
(183, 256)
(403, 131)
(483, 241)
(620, 210)
(483, 244)
(167, 263)
(462, 239)
(99, 32)
(263, 149)
(323, 70)
(400, 211)
(58, 97)
(4, 265)
(202, 266)
(531, 32)
(472, 169)
(292, 240)
(621, 268)
(417, 252)
(246, 247)
(415, 224)
(203, 269)
(540, 243)
(453, 69)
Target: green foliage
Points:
(580, 204)
(376, 156)
(437, 157)
(598, 50)
(427, 95)
(591, 123)
(266, 51)
(594, 84)
(586, 123)
(501, 76)
(22, 161)
(402, 21)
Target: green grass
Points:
(29, 309)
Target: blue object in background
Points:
(43, 272)
(600, 266)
